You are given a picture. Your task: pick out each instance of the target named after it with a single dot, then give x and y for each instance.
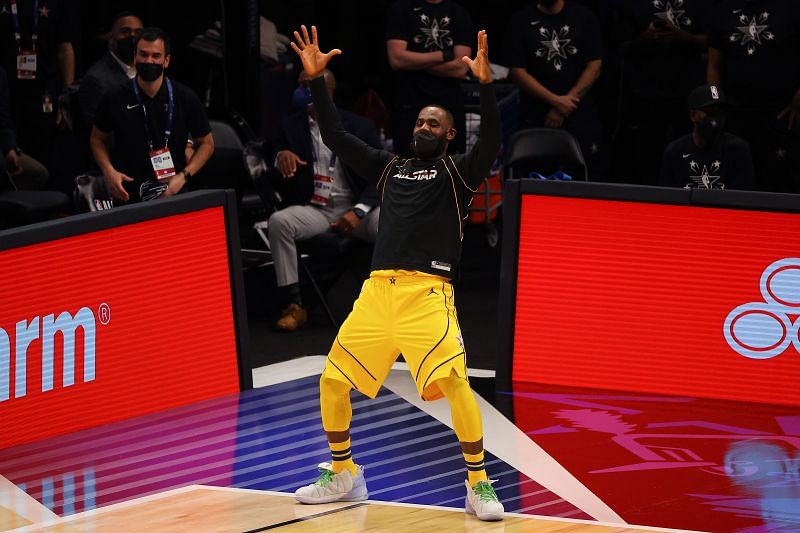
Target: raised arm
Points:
(478, 161)
(352, 151)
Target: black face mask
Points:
(426, 145)
(711, 128)
(126, 48)
(149, 71)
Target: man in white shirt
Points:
(328, 196)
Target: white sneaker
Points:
(330, 487)
(483, 502)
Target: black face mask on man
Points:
(126, 48)
(426, 145)
(301, 98)
(149, 71)
(710, 128)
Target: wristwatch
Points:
(360, 213)
(186, 174)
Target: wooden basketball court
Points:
(199, 508)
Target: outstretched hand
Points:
(480, 65)
(314, 61)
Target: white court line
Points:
(19, 502)
(190, 488)
(105, 509)
(394, 504)
(509, 443)
(501, 437)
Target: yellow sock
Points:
(336, 414)
(475, 469)
(342, 457)
(467, 424)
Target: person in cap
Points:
(709, 157)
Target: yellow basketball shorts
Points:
(399, 311)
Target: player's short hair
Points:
(447, 113)
(151, 33)
(122, 15)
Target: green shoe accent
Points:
(325, 477)
(485, 492)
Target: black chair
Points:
(256, 204)
(18, 208)
(544, 150)
(225, 169)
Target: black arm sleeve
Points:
(477, 163)
(367, 161)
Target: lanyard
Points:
(314, 158)
(170, 113)
(18, 32)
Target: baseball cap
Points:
(706, 96)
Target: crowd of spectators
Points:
(616, 74)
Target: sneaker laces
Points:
(485, 492)
(325, 477)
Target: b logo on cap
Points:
(714, 92)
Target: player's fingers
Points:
(334, 52)
(295, 48)
(306, 38)
(314, 39)
(299, 39)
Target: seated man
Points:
(709, 157)
(25, 172)
(329, 195)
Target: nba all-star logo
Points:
(672, 12)
(435, 33)
(704, 177)
(556, 45)
(766, 328)
(752, 32)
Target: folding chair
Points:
(545, 150)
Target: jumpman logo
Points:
(432, 292)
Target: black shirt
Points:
(657, 68)
(58, 23)
(725, 165)
(423, 202)
(121, 114)
(428, 28)
(8, 135)
(760, 42)
(554, 49)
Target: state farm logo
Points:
(46, 329)
(761, 330)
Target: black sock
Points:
(290, 294)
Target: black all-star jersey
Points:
(423, 202)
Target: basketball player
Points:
(407, 305)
